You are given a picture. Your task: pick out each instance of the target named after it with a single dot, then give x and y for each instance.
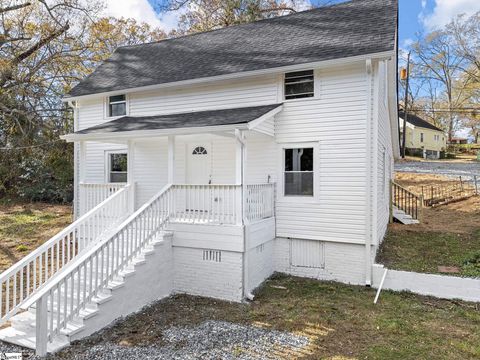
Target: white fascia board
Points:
(254, 123)
(136, 134)
(244, 74)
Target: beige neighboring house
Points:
(423, 139)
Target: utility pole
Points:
(406, 78)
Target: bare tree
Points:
(441, 65)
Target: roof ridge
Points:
(275, 18)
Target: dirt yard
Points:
(448, 235)
(24, 227)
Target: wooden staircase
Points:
(94, 313)
(95, 287)
(405, 206)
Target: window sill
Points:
(298, 199)
(302, 99)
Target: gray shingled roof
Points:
(417, 121)
(348, 29)
(185, 120)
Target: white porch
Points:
(211, 176)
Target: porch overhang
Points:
(201, 122)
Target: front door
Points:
(199, 165)
(198, 199)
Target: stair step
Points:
(72, 328)
(23, 327)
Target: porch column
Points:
(171, 159)
(240, 156)
(131, 175)
(82, 176)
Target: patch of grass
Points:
(22, 248)
(340, 321)
(471, 266)
(425, 251)
(23, 227)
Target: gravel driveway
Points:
(186, 328)
(439, 167)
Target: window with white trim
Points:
(299, 84)
(298, 172)
(421, 137)
(117, 167)
(117, 105)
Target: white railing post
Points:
(131, 175)
(41, 323)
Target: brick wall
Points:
(208, 273)
(342, 262)
(260, 264)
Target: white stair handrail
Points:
(62, 299)
(28, 275)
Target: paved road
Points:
(439, 167)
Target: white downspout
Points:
(368, 193)
(240, 137)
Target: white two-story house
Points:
(205, 163)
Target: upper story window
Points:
(298, 180)
(299, 84)
(117, 105)
(421, 137)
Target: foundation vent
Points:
(307, 253)
(212, 255)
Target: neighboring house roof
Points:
(353, 28)
(417, 121)
(185, 120)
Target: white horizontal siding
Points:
(237, 93)
(336, 121)
(150, 168)
(261, 159)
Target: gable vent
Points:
(212, 255)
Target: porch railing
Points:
(406, 201)
(62, 300)
(24, 278)
(215, 204)
(92, 194)
(260, 201)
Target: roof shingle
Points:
(417, 121)
(185, 120)
(357, 27)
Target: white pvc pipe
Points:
(380, 286)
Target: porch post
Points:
(81, 201)
(171, 159)
(131, 175)
(240, 176)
